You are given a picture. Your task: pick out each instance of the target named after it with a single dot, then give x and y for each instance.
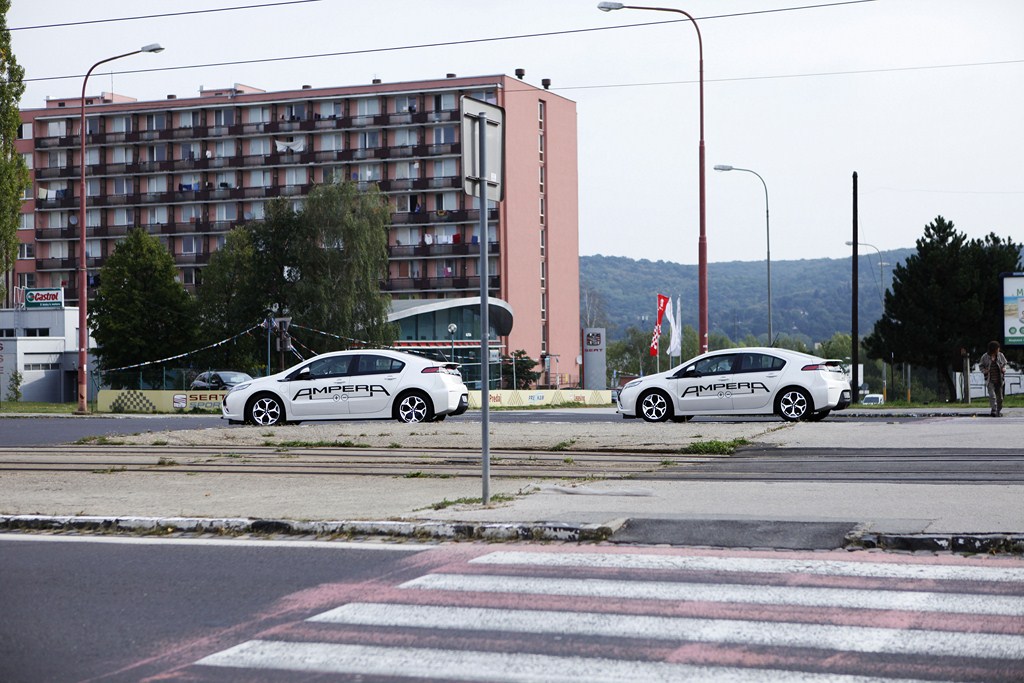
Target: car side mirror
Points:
(690, 373)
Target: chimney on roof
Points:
(376, 81)
(307, 87)
(520, 73)
(450, 76)
(172, 97)
(546, 82)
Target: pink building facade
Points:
(188, 170)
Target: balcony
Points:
(191, 259)
(417, 251)
(410, 285)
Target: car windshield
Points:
(233, 377)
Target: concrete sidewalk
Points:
(967, 517)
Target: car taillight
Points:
(431, 370)
(815, 366)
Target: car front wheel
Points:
(793, 404)
(654, 407)
(266, 410)
(412, 408)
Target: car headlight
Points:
(632, 383)
(239, 387)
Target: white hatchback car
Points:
(355, 385)
(743, 381)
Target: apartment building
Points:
(188, 170)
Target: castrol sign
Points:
(44, 298)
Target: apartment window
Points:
(122, 216)
(188, 119)
(368, 139)
(188, 182)
(541, 177)
(543, 241)
(295, 175)
(92, 187)
(258, 114)
(123, 186)
(7, 333)
(190, 244)
(119, 124)
(190, 276)
(543, 209)
(189, 150)
(257, 211)
(540, 145)
(367, 106)
(444, 168)
(92, 125)
(92, 218)
(57, 159)
(295, 112)
(406, 137)
(226, 179)
(227, 212)
(444, 135)
(260, 179)
(331, 110)
(92, 156)
(25, 132)
(58, 249)
(27, 157)
(259, 146)
(157, 152)
(405, 103)
(446, 201)
(219, 241)
(56, 129)
(224, 149)
(157, 121)
(541, 107)
(156, 183)
(157, 215)
(331, 143)
(367, 172)
(406, 169)
(544, 307)
(122, 155)
(190, 213)
(485, 96)
(444, 101)
(93, 248)
(404, 203)
(223, 117)
(27, 221)
(37, 332)
(26, 250)
(27, 280)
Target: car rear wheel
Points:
(654, 406)
(413, 407)
(793, 404)
(265, 410)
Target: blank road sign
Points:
(495, 141)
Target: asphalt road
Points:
(203, 610)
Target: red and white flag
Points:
(656, 337)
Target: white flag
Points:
(675, 344)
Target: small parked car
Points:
(873, 400)
(741, 381)
(360, 384)
(217, 380)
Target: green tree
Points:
(14, 387)
(140, 313)
(524, 374)
(227, 307)
(945, 298)
(14, 178)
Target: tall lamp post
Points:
(83, 271)
(768, 239)
(702, 242)
(881, 294)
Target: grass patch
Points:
(394, 444)
(37, 407)
(318, 444)
(496, 498)
(568, 461)
(713, 447)
(101, 440)
(160, 442)
(563, 445)
(418, 474)
(166, 462)
(111, 470)
(668, 463)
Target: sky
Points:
(923, 99)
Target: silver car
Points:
(743, 381)
(355, 385)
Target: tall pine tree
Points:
(14, 176)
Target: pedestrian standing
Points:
(993, 366)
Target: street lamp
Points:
(881, 294)
(702, 242)
(83, 276)
(452, 329)
(768, 238)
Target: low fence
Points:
(157, 401)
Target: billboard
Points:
(44, 298)
(1013, 309)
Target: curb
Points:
(971, 544)
(540, 531)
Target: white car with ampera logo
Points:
(744, 381)
(352, 385)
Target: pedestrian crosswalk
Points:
(597, 614)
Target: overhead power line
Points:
(160, 16)
(469, 41)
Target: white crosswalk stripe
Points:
(667, 616)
